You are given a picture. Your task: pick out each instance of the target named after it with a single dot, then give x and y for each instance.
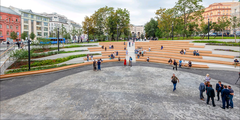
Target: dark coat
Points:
(210, 92)
(218, 86)
(225, 93)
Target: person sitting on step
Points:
(197, 53)
(170, 61)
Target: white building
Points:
(137, 30)
(235, 12)
(33, 22)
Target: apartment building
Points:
(10, 21)
(33, 22)
(235, 12)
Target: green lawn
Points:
(198, 38)
(220, 43)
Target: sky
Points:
(141, 11)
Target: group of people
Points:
(97, 63)
(181, 63)
(112, 56)
(130, 61)
(225, 91)
(88, 57)
(140, 53)
(196, 53)
(183, 51)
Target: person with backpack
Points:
(99, 64)
(174, 81)
(87, 57)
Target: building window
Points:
(16, 20)
(25, 21)
(39, 28)
(32, 16)
(17, 33)
(0, 32)
(39, 23)
(25, 27)
(39, 18)
(227, 14)
(223, 7)
(0, 25)
(7, 27)
(39, 33)
(7, 33)
(218, 13)
(45, 24)
(0, 17)
(223, 10)
(45, 34)
(44, 19)
(218, 6)
(45, 29)
(17, 27)
(25, 15)
(223, 13)
(11, 27)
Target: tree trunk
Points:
(222, 34)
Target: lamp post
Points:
(87, 35)
(208, 28)
(172, 31)
(58, 40)
(117, 32)
(29, 57)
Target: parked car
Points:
(238, 34)
(4, 42)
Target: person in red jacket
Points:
(125, 62)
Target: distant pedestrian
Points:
(117, 53)
(99, 64)
(202, 89)
(94, 65)
(126, 52)
(148, 59)
(161, 47)
(174, 81)
(8, 44)
(102, 46)
(219, 88)
(125, 62)
(110, 46)
(175, 64)
(87, 57)
(180, 63)
(129, 44)
(138, 55)
(230, 96)
(130, 61)
(184, 51)
(207, 77)
(210, 94)
(142, 53)
(235, 62)
(225, 96)
(119, 59)
(124, 43)
(105, 48)
(149, 49)
(132, 43)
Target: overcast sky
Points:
(141, 11)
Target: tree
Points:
(62, 30)
(32, 36)
(189, 10)
(24, 35)
(151, 28)
(73, 31)
(223, 22)
(79, 33)
(235, 23)
(122, 36)
(142, 36)
(13, 35)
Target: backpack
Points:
(174, 80)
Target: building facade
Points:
(235, 12)
(137, 30)
(33, 22)
(10, 21)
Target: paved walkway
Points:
(114, 93)
(131, 52)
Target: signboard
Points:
(1, 36)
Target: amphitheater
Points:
(143, 91)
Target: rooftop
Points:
(8, 10)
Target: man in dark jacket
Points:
(225, 96)
(202, 89)
(210, 94)
(219, 87)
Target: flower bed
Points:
(226, 50)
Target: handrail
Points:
(7, 50)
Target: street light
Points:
(29, 57)
(172, 31)
(87, 35)
(58, 40)
(208, 28)
(117, 32)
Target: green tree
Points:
(223, 23)
(62, 31)
(122, 36)
(115, 36)
(13, 35)
(24, 35)
(151, 28)
(235, 23)
(32, 36)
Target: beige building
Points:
(235, 12)
(33, 22)
(137, 30)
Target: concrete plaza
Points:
(119, 92)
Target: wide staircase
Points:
(171, 49)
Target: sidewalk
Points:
(131, 52)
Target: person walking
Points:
(202, 89)
(175, 65)
(161, 47)
(174, 81)
(105, 48)
(148, 59)
(210, 94)
(225, 97)
(94, 65)
(130, 61)
(230, 96)
(8, 44)
(149, 49)
(184, 51)
(126, 52)
(219, 88)
(125, 62)
(124, 43)
(99, 64)
(129, 44)
(180, 63)
(117, 53)
(87, 57)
